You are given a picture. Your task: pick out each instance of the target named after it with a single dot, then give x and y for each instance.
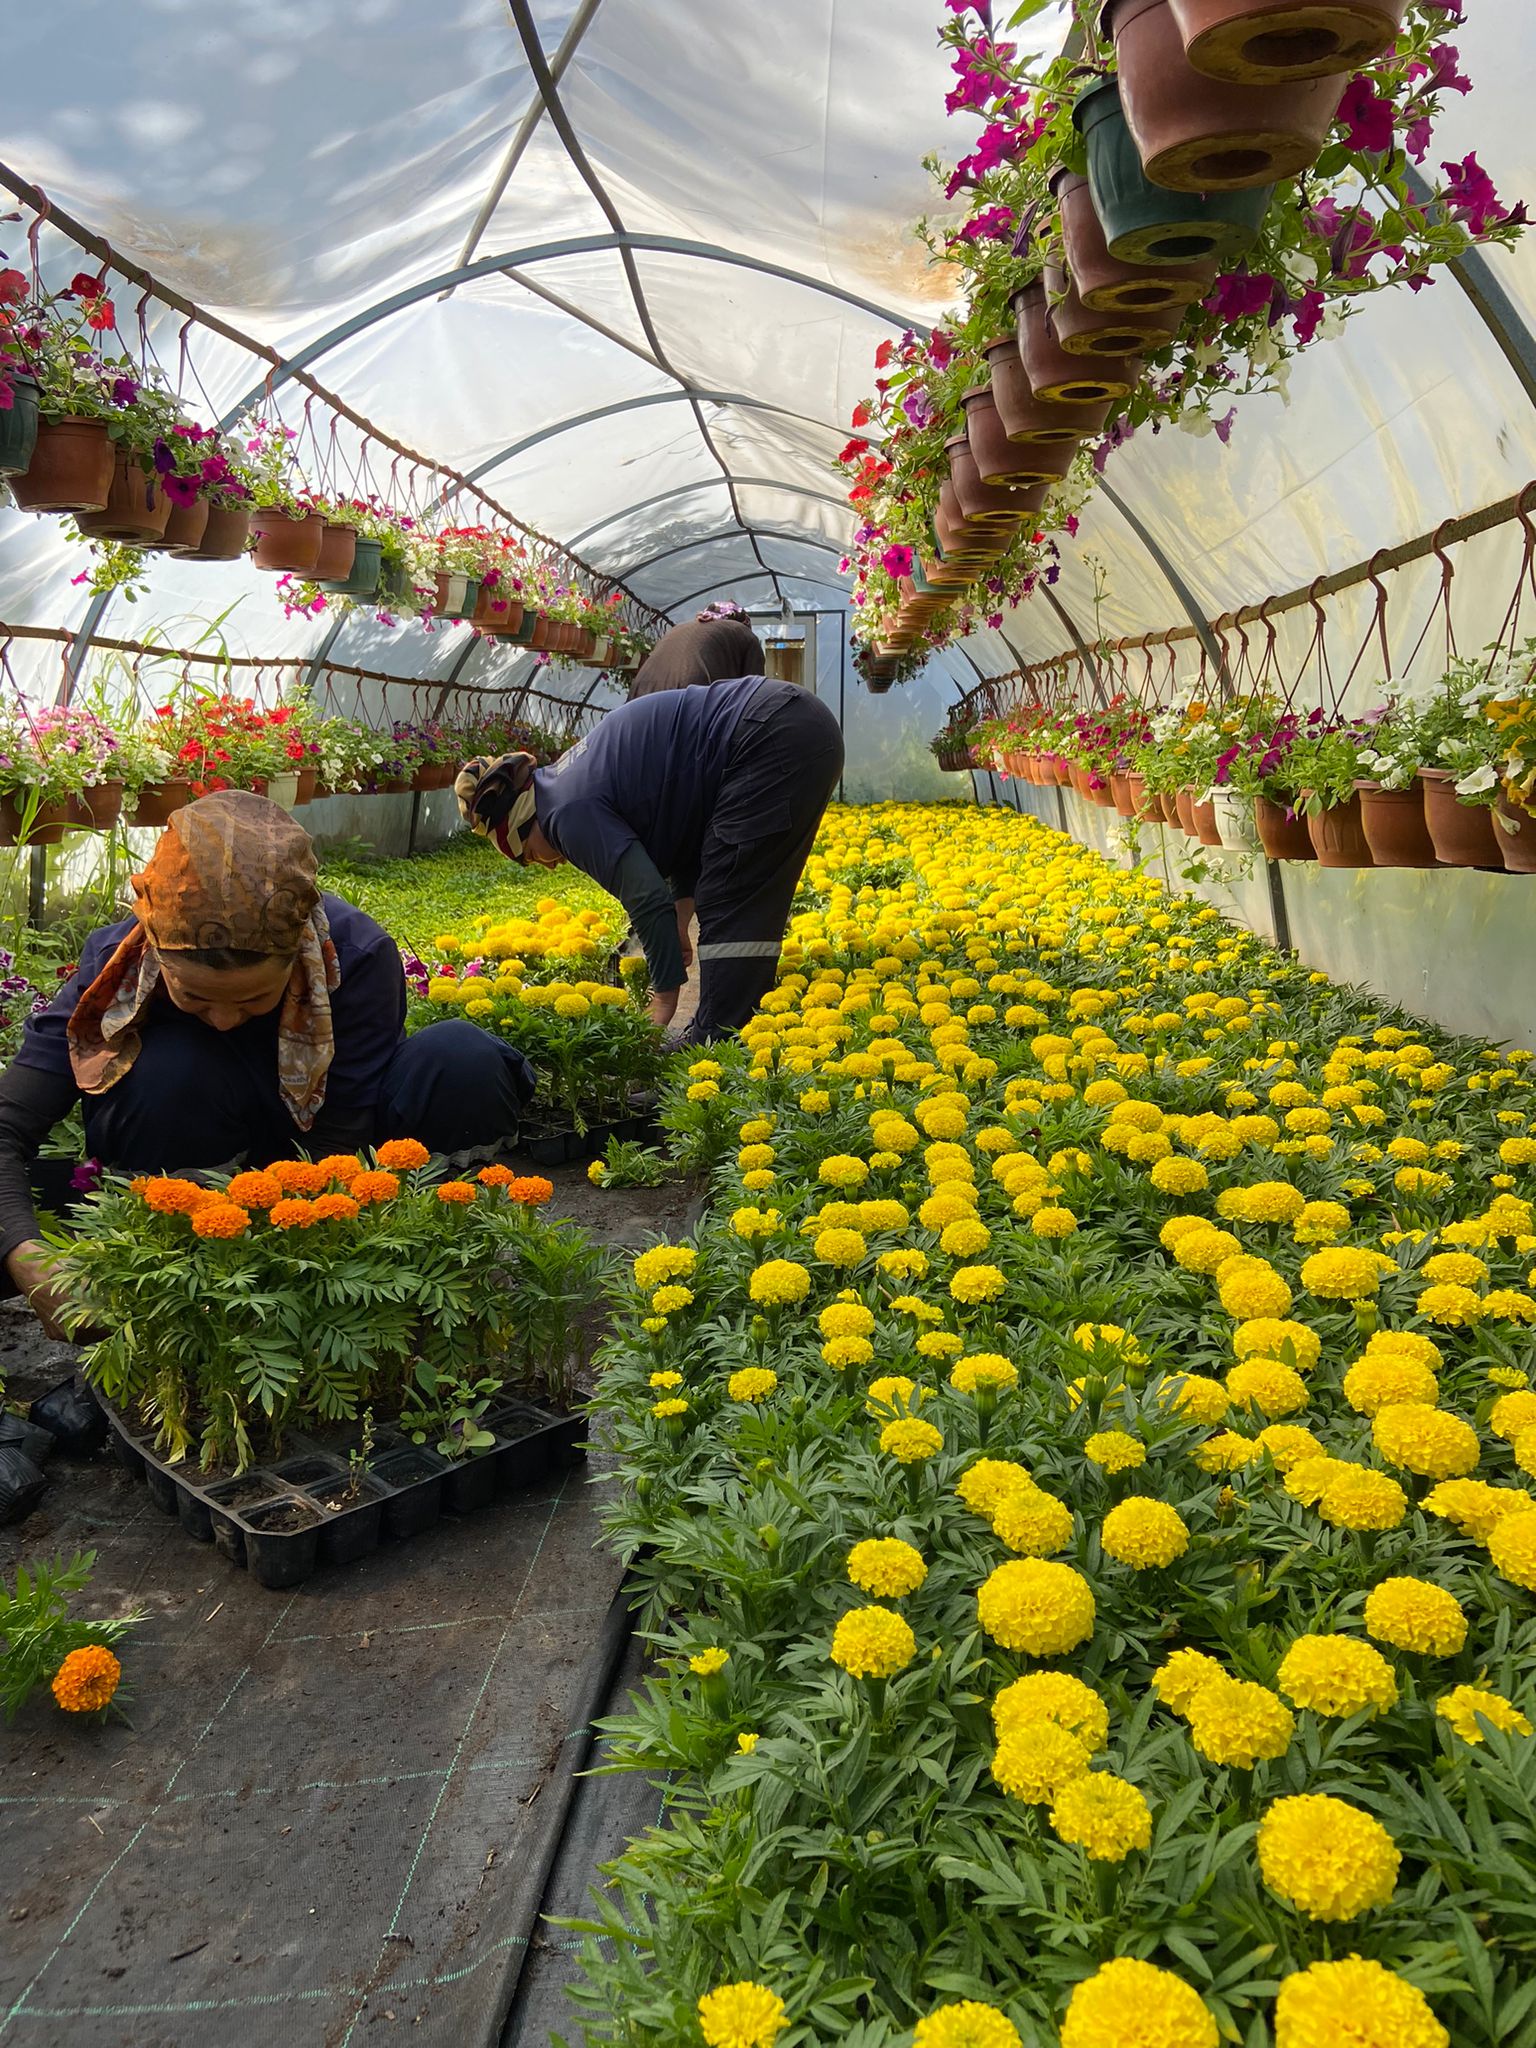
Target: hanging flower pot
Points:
(992, 504)
(1168, 808)
(1082, 332)
(1199, 134)
(309, 781)
(1338, 836)
(185, 528)
(1395, 831)
(1056, 377)
(287, 542)
(338, 551)
(1464, 835)
(1145, 223)
(18, 427)
(71, 469)
(361, 580)
(1079, 776)
(97, 809)
(225, 536)
(1234, 822)
(1102, 282)
(282, 790)
(1282, 832)
(1001, 461)
(1515, 824)
(1120, 791)
(488, 619)
(1202, 817)
(1261, 42)
(1029, 419)
(158, 801)
(451, 597)
(1184, 811)
(137, 509)
(44, 827)
(1143, 806)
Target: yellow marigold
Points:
(1128, 2001)
(1408, 1344)
(1115, 1450)
(752, 1158)
(886, 1567)
(966, 2024)
(1354, 1498)
(1195, 1397)
(742, 2015)
(1035, 1759)
(1250, 1287)
(1509, 1305)
(664, 1262)
(1342, 1273)
(1325, 1857)
(1288, 1443)
(988, 1371)
(1032, 1523)
(893, 1394)
(1179, 1177)
(964, 1238)
(1512, 1547)
(872, 1642)
(840, 1247)
(670, 1410)
(169, 1196)
(1450, 1307)
(254, 1190)
(706, 1663)
(1053, 1696)
(666, 1301)
(911, 1441)
(842, 1170)
(1052, 1221)
(1276, 1337)
(1102, 1815)
(984, 1486)
(1203, 1249)
(940, 1344)
(400, 1155)
(752, 1223)
(1109, 1337)
(842, 1352)
(1513, 1414)
(224, 1219)
(1460, 1269)
(1226, 1452)
(85, 1682)
(751, 1383)
(1412, 1614)
(779, 1283)
(1235, 1723)
(666, 1379)
(1264, 1383)
(1180, 1677)
(1148, 1534)
(1463, 1706)
(1354, 2004)
(1389, 1380)
(1037, 1606)
(1180, 1227)
(1265, 1201)
(972, 1285)
(1337, 1676)
(1426, 1441)
(746, 1742)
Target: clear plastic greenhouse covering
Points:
(640, 315)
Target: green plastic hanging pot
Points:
(18, 428)
(1146, 223)
(363, 579)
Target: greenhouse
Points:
(768, 1007)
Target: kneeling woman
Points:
(238, 1015)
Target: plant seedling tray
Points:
(552, 1144)
(286, 1520)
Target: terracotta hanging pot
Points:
(1120, 791)
(225, 536)
(1143, 223)
(1339, 837)
(1143, 805)
(1395, 831)
(1029, 419)
(1084, 333)
(1199, 134)
(1167, 807)
(159, 800)
(287, 543)
(71, 469)
(97, 809)
(18, 426)
(1515, 824)
(1079, 776)
(1282, 834)
(1262, 42)
(1184, 810)
(1203, 817)
(338, 551)
(309, 779)
(990, 503)
(1054, 375)
(185, 528)
(487, 619)
(137, 509)
(45, 829)
(1465, 835)
(1102, 282)
(1001, 461)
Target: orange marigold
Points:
(299, 1176)
(461, 1191)
(495, 1176)
(342, 1166)
(531, 1190)
(402, 1153)
(85, 1682)
(335, 1208)
(294, 1215)
(375, 1187)
(220, 1219)
(254, 1190)
(170, 1197)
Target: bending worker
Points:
(685, 799)
(718, 646)
(238, 1015)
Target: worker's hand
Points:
(663, 1007)
(684, 922)
(31, 1269)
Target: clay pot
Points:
(1199, 134)
(137, 509)
(1282, 837)
(71, 470)
(46, 829)
(1102, 282)
(1079, 777)
(185, 528)
(158, 800)
(225, 536)
(1394, 825)
(338, 552)
(1001, 461)
(1465, 835)
(1054, 376)
(1203, 817)
(97, 809)
(1029, 419)
(1120, 791)
(1261, 42)
(309, 779)
(18, 426)
(487, 619)
(1338, 836)
(990, 503)
(286, 544)
(1142, 805)
(1515, 824)
(1184, 811)
(1143, 223)
(1082, 332)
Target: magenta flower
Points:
(1225, 425)
(1470, 196)
(1240, 295)
(181, 490)
(940, 350)
(1365, 117)
(1307, 314)
(992, 224)
(897, 562)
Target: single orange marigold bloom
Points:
(531, 1190)
(375, 1187)
(299, 1176)
(402, 1153)
(456, 1191)
(495, 1176)
(220, 1219)
(85, 1682)
(170, 1197)
(254, 1190)
(294, 1215)
(335, 1208)
(342, 1166)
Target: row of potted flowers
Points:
(1160, 218)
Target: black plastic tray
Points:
(550, 1146)
(405, 1489)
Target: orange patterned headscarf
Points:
(235, 871)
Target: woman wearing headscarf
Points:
(238, 1014)
(688, 799)
(718, 646)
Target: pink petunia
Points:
(1365, 117)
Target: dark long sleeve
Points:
(653, 913)
(32, 1101)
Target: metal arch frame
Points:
(711, 483)
(752, 576)
(709, 540)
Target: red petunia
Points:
(861, 413)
